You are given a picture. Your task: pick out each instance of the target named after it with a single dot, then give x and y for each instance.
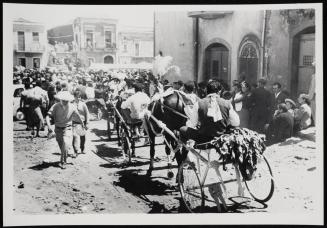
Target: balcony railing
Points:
(102, 47)
(32, 47)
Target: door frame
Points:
(113, 58)
(229, 49)
(294, 55)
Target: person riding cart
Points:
(215, 116)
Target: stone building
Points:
(96, 38)
(135, 45)
(226, 45)
(101, 40)
(30, 42)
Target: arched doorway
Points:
(216, 62)
(108, 59)
(303, 54)
(249, 61)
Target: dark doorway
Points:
(108, 59)
(36, 62)
(22, 62)
(216, 62)
(303, 55)
(248, 62)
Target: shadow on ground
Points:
(45, 165)
(100, 133)
(106, 152)
(142, 186)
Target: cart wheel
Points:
(261, 185)
(125, 143)
(190, 187)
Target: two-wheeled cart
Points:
(193, 176)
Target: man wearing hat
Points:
(63, 114)
(302, 115)
(290, 104)
(260, 113)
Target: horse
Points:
(170, 111)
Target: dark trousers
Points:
(258, 120)
(187, 133)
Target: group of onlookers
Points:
(272, 113)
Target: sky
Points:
(55, 15)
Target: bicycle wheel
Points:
(125, 143)
(261, 185)
(190, 187)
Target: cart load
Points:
(241, 146)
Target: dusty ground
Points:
(98, 182)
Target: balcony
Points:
(32, 48)
(102, 47)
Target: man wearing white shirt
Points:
(134, 108)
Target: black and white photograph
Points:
(162, 114)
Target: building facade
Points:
(30, 41)
(135, 45)
(228, 45)
(101, 40)
(96, 39)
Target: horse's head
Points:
(170, 110)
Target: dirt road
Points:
(98, 182)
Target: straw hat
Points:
(65, 96)
(290, 101)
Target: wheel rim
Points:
(261, 185)
(190, 188)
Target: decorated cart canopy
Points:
(105, 67)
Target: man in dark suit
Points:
(278, 97)
(281, 126)
(261, 107)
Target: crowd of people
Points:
(59, 98)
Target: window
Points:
(137, 49)
(249, 61)
(125, 47)
(21, 41)
(108, 39)
(36, 62)
(22, 62)
(307, 60)
(89, 38)
(36, 36)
